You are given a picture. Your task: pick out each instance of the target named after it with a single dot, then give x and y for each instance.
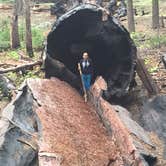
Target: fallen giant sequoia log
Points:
(50, 121)
(89, 28)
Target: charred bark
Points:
(108, 43)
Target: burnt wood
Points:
(108, 43)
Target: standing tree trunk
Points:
(29, 48)
(15, 41)
(155, 14)
(130, 16)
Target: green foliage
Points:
(37, 35)
(137, 38)
(22, 34)
(37, 38)
(146, 5)
(142, 3)
(153, 69)
(148, 41)
(19, 78)
(13, 55)
(4, 34)
(146, 61)
(6, 1)
(157, 41)
(14, 77)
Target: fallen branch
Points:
(6, 64)
(5, 6)
(21, 67)
(51, 155)
(28, 143)
(146, 78)
(45, 156)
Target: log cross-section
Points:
(89, 28)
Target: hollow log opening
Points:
(108, 43)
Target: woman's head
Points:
(85, 55)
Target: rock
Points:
(6, 87)
(153, 116)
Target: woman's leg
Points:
(88, 80)
(84, 78)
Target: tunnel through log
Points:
(108, 43)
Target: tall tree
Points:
(29, 47)
(15, 41)
(155, 14)
(130, 16)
